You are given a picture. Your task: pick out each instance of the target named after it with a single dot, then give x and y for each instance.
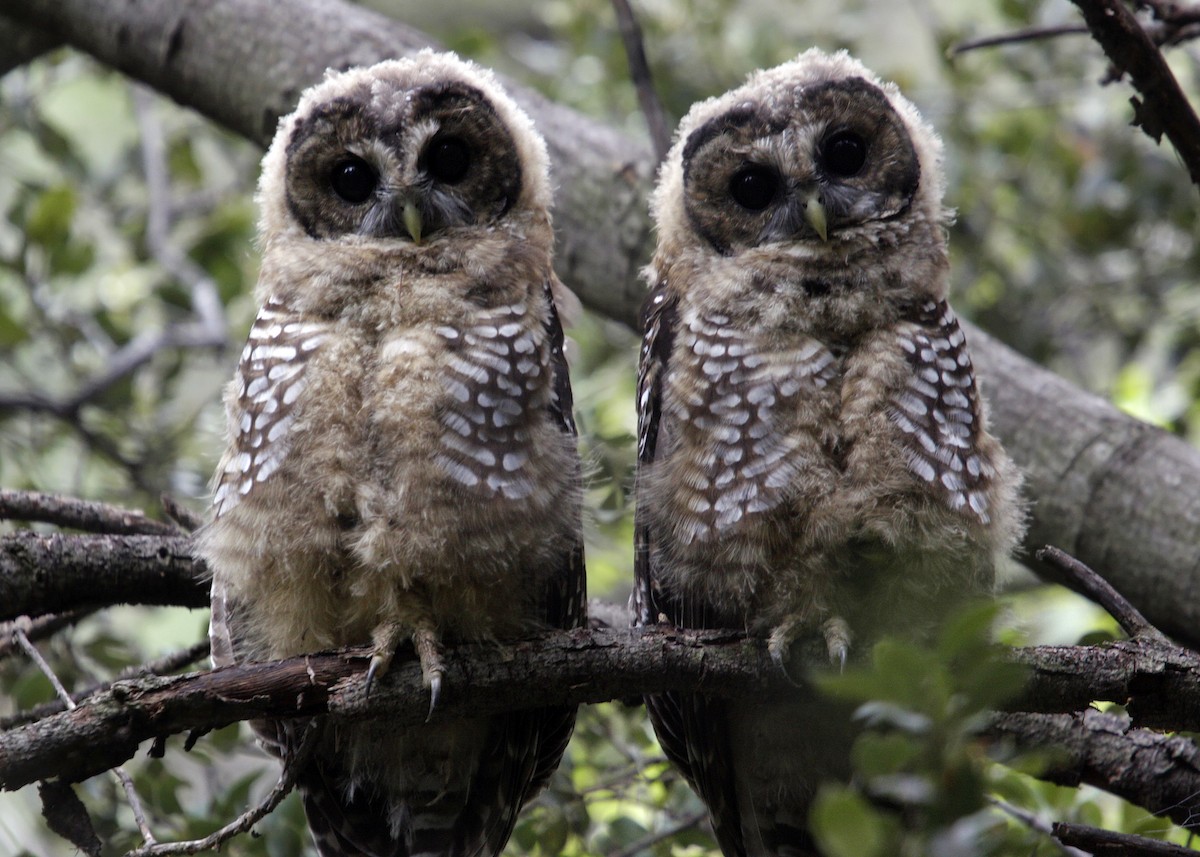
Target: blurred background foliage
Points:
(1075, 243)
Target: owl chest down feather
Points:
(420, 461)
(792, 473)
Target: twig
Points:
(287, 781)
(1078, 577)
(1163, 108)
(1036, 823)
(206, 328)
(1106, 843)
(647, 842)
(181, 514)
(36, 656)
(35, 629)
(1028, 34)
(122, 776)
(87, 515)
(162, 666)
(643, 79)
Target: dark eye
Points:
(447, 159)
(354, 180)
(754, 187)
(844, 153)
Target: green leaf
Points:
(49, 220)
(845, 825)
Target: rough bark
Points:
(1155, 771)
(41, 574)
(1158, 683)
(1105, 487)
(569, 667)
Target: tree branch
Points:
(1096, 475)
(1158, 682)
(42, 574)
(1165, 109)
(1106, 843)
(1155, 771)
(87, 515)
(558, 669)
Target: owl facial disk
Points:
(833, 156)
(394, 163)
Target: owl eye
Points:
(754, 187)
(447, 159)
(354, 180)
(844, 153)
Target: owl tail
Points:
(521, 752)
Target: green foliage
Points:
(921, 786)
(1074, 241)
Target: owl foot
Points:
(835, 630)
(387, 638)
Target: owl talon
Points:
(432, 666)
(779, 644)
(837, 641)
(385, 638)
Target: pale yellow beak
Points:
(412, 220)
(814, 213)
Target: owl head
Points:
(411, 150)
(817, 153)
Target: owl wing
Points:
(260, 408)
(939, 412)
(525, 747)
(693, 730)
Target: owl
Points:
(813, 453)
(401, 466)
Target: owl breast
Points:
(745, 446)
(471, 476)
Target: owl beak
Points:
(411, 215)
(814, 213)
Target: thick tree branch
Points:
(87, 515)
(1163, 108)
(42, 574)
(569, 667)
(1106, 488)
(1159, 683)
(1155, 771)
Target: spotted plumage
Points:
(401, 465)
(813, 451)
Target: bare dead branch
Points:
(35, 629)
(1162, 108)
(1035, 822)
(1106, 843)
(41, 574)
(87, 515)
(247, 820)
(1079, 578)
(180, 514)
(1028, 34)
(1152, 770)
(643, 78)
